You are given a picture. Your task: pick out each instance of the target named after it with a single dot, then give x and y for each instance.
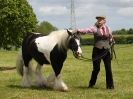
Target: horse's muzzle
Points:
(77, 54)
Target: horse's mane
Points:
(62, 38)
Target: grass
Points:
(76, 74)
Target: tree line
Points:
(123, 31)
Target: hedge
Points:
(119, 39)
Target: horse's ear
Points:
(69, 33)
(78, 32)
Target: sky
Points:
(119, 13)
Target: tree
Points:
(45, 27)
(130, 31)
(16, 19)
(120, 32)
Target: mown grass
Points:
(76, 74)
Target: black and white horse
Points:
(51, 49)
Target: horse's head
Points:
(74, 43)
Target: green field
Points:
(76, 74)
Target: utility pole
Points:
(73, 18)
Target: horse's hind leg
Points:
(51, 80)
(27, 75)
(40, 80)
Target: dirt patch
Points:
(7, 68)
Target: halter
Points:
(74, 53)
(74, 36)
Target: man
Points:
(102, 42)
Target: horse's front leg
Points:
(59, 84)
(40, 80)
(55, 79)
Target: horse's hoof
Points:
(61, 88)
(65, 90)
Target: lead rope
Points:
(94, 59)
(100, 56)
(113, 52)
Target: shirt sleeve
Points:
(90, 30)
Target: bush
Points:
(119, 39)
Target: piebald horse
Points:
(50, 49)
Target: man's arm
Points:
(89, 30)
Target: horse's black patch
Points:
(57, 57)
(73, 45)
(29, 50)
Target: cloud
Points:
(115, 3)
(127, 12)
(58, 11)
(54, 10)
(92, 9)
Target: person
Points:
(102, 42)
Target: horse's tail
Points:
(19, 63)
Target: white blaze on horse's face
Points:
(79, 51)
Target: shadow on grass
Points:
(43, 88)
(86, 88)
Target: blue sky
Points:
(119, 13)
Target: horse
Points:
(49, 49)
